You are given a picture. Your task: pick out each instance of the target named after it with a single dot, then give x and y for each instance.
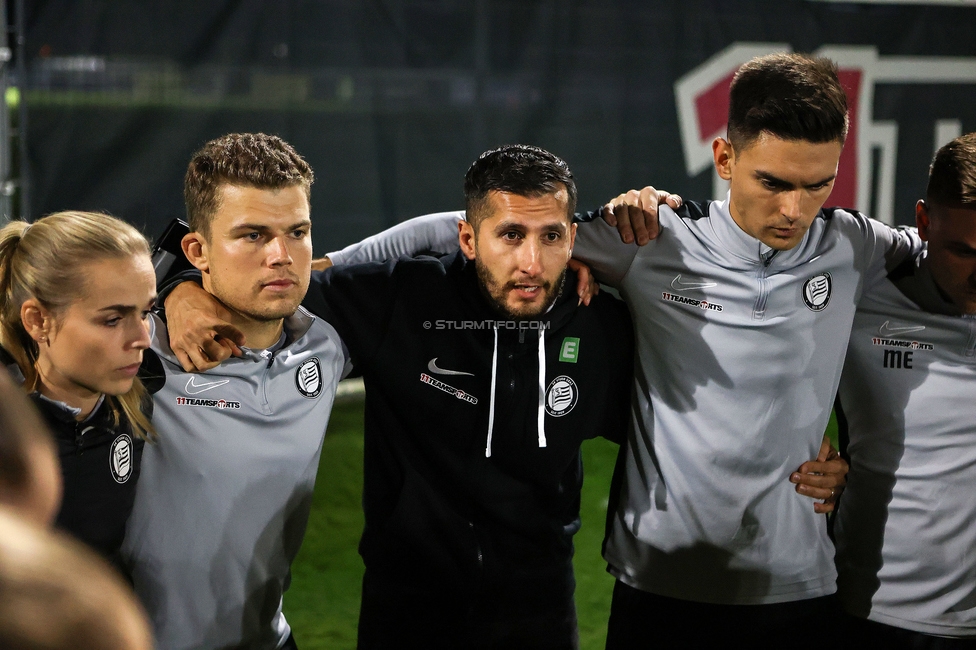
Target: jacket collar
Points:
(57, 411)
(914, 279)
(739, 243)
(295, 327)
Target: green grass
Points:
(323, 602)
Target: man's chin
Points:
(781, 243)
(523, 310)
(270, 310)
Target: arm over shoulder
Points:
(884, 247)
(598, 245)
(431, 233)
(358, 302)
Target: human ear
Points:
(196, 250)
(36, 319)
(723, 155)
(466, 239)
(922, 220)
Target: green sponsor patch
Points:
(569, 352)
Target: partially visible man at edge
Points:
(225, 493)
(907, 408)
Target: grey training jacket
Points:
(740, 351)
(225, 493)
(906, 539)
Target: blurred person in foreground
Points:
(905, 533)
(55, 594)
(30, 475)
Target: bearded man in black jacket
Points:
(483, 376)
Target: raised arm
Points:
(885, 247)
(431, 233)
(607, 245)
(200, 333)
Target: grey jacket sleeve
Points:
(598, 246)
(432, 233)
(886, 247)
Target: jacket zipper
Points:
(759, 311)
(264, 384)
(477, 546)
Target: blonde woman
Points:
(75, 293)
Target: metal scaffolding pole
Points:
(23, 183)
(6, 186)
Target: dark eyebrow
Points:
(514, 225)
(304, 223)
(786, 185)
(122, 309)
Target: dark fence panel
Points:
(390, 100)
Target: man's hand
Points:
(634, 213)
(823, 478)
(321, 264)
(586, 284)
(199, 332)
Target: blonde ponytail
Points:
(13, 336)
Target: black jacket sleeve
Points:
(358, 300)
(620, 364)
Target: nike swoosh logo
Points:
(193, 388)
(432, 366)
(887, 331)
(678, 285)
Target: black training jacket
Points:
(445, 507)
(100, 461)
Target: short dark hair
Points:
(791, 96)
(249, 159)
(952, 176)
(519, 169)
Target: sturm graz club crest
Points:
(120, 458)
(309, 378)
(561, 396)
(816, 292)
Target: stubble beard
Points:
(495, 293)
(270, 313)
